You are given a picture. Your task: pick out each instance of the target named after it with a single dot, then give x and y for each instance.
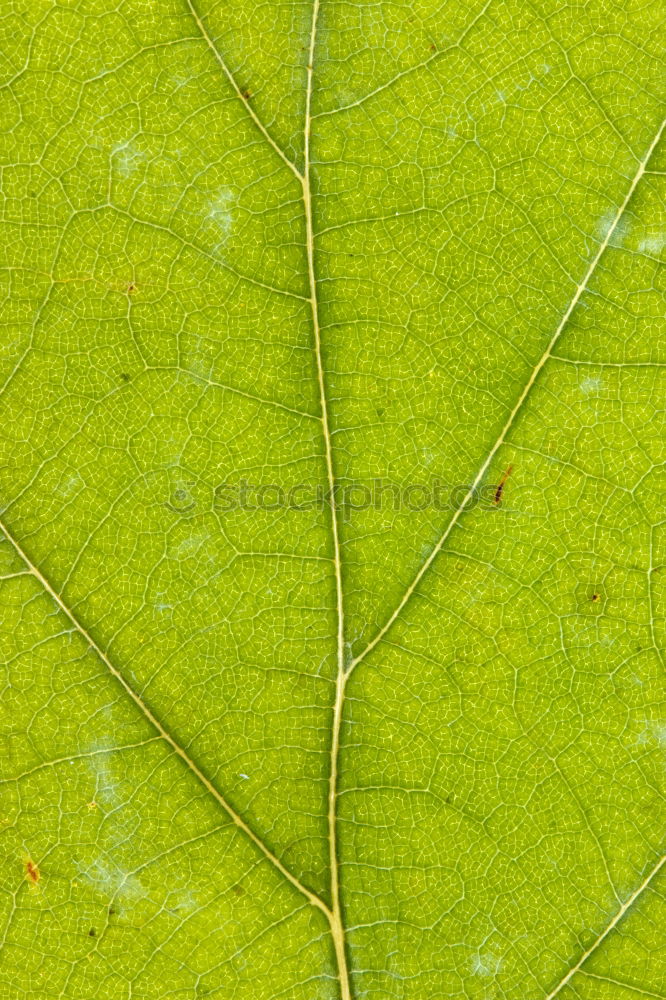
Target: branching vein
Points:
(511, 419)
(613, 923)
(147, 712)
(232, 80)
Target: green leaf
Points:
(332, 480)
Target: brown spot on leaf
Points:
(92, 932)
(32, 872)
(499, 490)
(595, 598)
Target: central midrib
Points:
(336, 917)
(334, 913)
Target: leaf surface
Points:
(402, 744)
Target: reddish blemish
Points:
(32, 872)
(500, 486)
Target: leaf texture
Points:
(397, 750)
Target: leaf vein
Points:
(609, 927)
(511, 419)
(198, 20)
(147, 712)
